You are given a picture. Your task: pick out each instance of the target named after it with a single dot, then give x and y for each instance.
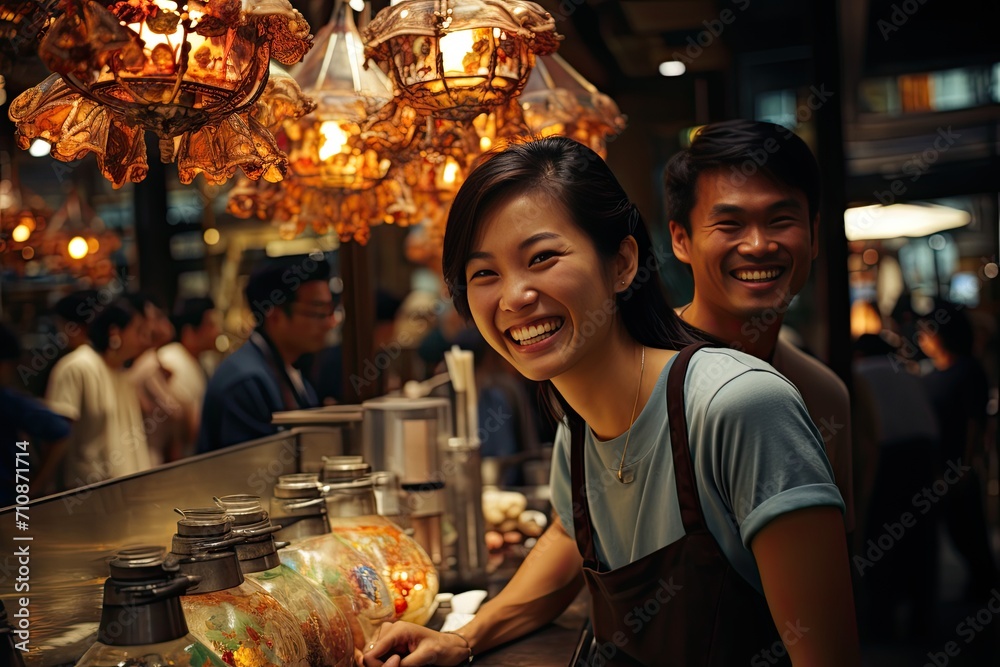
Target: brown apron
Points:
(684, 604)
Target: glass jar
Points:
(347, 577)
(142, 622)
(328, 636)
(406, 568)
(239, 620)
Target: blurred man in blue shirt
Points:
(293, 310)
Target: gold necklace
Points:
(631, 420)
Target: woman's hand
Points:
(407, 645)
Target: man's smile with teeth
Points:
(757, 276)
(534, 333)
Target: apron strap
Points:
(687, 492)
(687, 489)
(582, 526)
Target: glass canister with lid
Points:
(142, 621)
(327, 633)
(239, 620)
(348, 577)
(351, 509)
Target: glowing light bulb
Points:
(357, 5)
(450, 173)
(211, 236)
(93, 245)
(40, 148)
(672, 68)
(20, 233)
(454, 47)
(77, 247)
(334, 139)
(485, 143)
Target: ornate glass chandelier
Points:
(188, 71)
(456, 59)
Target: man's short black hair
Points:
(76, 306)
(740, 149)
(275, 283)
(190, 312)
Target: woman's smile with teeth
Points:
(761, 276)
(535, 333)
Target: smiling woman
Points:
(696, 474)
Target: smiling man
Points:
(743, 206)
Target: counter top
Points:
(550, 646)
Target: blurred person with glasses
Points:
(292, 310)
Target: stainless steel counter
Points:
(72, 535)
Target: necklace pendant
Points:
(626, 476)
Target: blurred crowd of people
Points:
(922, 457)
(120, 391)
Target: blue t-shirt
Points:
(756, 455)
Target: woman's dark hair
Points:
(581, 181)
(741, 148)
(119, 313)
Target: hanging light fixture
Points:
(326, 149)
(558, 101)
(78, 243)
(188, 71)
(23, 221)
(456, 59)
(21, 21)
(337, 179)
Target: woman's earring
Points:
(114, 342)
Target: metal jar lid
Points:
(203, 522)
(139, 563)
(203, 547)
(245, 510)
(257, 552)
(297, 485)
(144, 588)
(338, 469)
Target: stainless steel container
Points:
(406, 437)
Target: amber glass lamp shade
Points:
(456, 59)
(24, 220)
(326, 149)
(339, 162)
(558, 101)
(188, 71)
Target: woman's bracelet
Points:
(462, 637)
